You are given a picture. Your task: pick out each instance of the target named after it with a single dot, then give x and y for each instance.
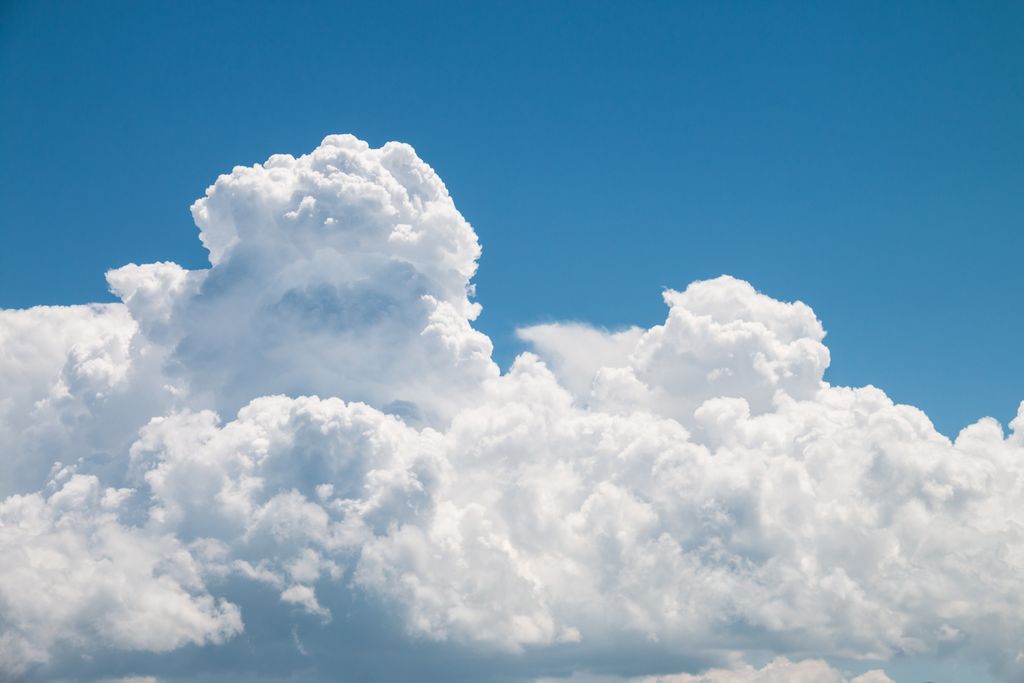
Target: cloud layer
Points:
(305, 455)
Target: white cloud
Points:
(77, 383)
(72, 575)
(312, 430)
(576, 351)
(342, 272)
(721, 338)
(779, 670)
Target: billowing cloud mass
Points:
(302, 463)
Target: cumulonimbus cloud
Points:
(307, 448)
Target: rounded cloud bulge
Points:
(345, 272)
(302, 463)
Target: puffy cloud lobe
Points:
(70, 389)
(344, 271)
(721, 338)
(695, 486)
(72, 575)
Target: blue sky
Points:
(866, 158)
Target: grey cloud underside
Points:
(302, 463)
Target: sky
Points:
(864, 158)
(634, 195)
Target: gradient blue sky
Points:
(867, 158)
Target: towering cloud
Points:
(303, 457)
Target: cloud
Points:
(779, 670)
(70, 574)
(721, 338)
(304, 456)
(61, 367)
(343, 271)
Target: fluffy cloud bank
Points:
(305, 453)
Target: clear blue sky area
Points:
(864, 157)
